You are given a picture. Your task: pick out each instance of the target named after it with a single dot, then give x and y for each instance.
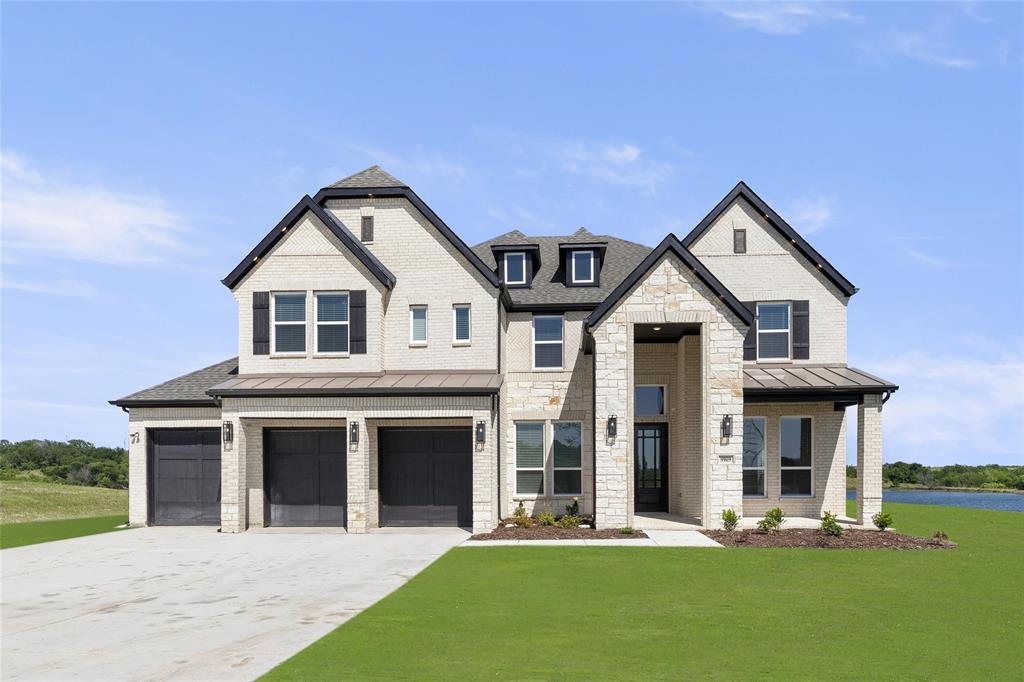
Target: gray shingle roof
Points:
(620, 258)
(189, 388)
(374, 176)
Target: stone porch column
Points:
(233, 497)
(869, 458)
(358, 466)
(485, 472)
(613, 351)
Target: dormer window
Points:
(515, 268)
(582, 267)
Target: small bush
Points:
(520, 511)
(523, 521)
(772, 521)
(574, 508)
(940, 536)
(569, 521)
(626, 531)
(882, 520)
(830, 525)
(546, 518)
(730, 519)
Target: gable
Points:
(743, 198)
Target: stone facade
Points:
(869, 458)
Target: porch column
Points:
(613, 362)
(233, 508)
(358, 474)
(485, 472)
(869, 458)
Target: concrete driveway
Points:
(161, 603)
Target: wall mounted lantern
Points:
(353, 433)
(727, 426)
(229, 431)
(613, 426)
(480, 433)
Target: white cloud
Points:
(46, 214)
(925, 46)
(780, 18)
(935, 262)
(953, 408)
(810, 215)
(613, 164)
(62, 287)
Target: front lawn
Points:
(38, 511)
(640, 613)
(31, 532)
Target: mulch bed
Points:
(813, 538)
(556, 533)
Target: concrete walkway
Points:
(655, 538)
(191, 603)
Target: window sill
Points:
(418, 344)
(796, 497)
(461, 344)
(549, 369)
(282, 356)
(755, 497)
(331, 355)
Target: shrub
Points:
(546, 518)
(730, 519)
(772, 521)
(882, 520)
(569, 521)
(574, 508)
(520, 511)
(523, 521)
(939, 536)
(830, 525)
(626, 531)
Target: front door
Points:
(651, 468)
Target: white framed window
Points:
(753, 456)
(462, 324)
(796, 458)
(332, 330)
(530, 459)
(774, 322)
(289, 315)
(582, 267)
(515, 268)
(547, 341)
(567, 458)
(417, 325)
(649, 401)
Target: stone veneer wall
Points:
(828, 460)
(669, 293)
(869, 458)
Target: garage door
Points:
(426, 477)
(305, 476)
(184, 480)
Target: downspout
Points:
(593, 435)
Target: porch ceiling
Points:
(664, 333)
(769, 383)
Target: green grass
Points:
(43, 501)
(619, 613)
(32, 532)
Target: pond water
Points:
(997, 501)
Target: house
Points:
(390, 375)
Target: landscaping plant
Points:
(569, 521)
(830, 525)
(882, 520)
(523, 521)
(626, 531)
(730, 519)
(574, 508)
(546, 518)
(520, 511)
(772, 521)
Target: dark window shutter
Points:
(357, 322)
(528, 268)
(801, 330)
(261, 323)
(366, 228)
(750, 340)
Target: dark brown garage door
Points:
(184, 477)
(426, 477)
(305, 476)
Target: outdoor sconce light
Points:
(228, 431)
(353, 433)
(613, 426)
(727, 426)
(480, 433)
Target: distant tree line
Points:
(991, 476)
(77, 462)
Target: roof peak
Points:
(374, 176)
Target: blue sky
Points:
(146, 148)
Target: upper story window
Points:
(366, 228)
(582, 267)
(461, 323)
(547, 341)
(515, 268)
(332, 329)
(773, 331)
(649, 401)
(418, 325)
(289, 314)
(739, 241)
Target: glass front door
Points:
(651, 468)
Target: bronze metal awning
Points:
(365, 384)
(795, 383)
